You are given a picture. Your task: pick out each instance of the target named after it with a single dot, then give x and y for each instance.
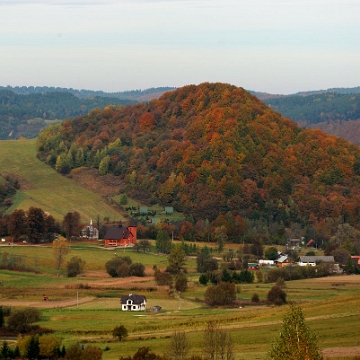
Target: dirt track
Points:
(48, 304)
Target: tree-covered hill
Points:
(212, 149)
(25, 115)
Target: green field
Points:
(43, 187)
(331, 305)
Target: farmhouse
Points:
(133, 302)
(313, 260)
(121, 235)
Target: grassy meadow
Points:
(87, 308)
(41, 186)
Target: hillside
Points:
(41, 186)
(212, 149)
(26, 115)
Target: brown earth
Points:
(49, 303)
(341, 352)
(90, 179)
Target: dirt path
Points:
(342, 352)
(49, 303)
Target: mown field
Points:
(87, 308)
(43, 187)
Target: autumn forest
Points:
(215, 151)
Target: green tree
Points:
(71, 224)
(33, 349)
(75, 266)
(21, 320)
(35, 223)
(271, 253)
(17, 223)
(176, 259)
(5, 351)
(163, 242)
(276, 295)
(220, 294)
(49, 345)
(296, 341)
(104, 165)
(120, 332)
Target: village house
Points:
(313, 260)
(133, 302)
(121, 235)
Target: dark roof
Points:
(137, 299)
(115, 233)
(132, 222)
(312, 259)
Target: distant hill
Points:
(335, 113)
(213, 149)
(25, 115)
(134, 95)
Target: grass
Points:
(331, 311)
(43, 187)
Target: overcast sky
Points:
(276, 46)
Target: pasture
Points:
(42, 187)
(87, 308)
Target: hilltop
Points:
(212, 149)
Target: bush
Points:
(163, 278)
(75, 266)
(276, 295)
(137, 269)
(255, 298)
(120, 332)
(181, 283)
(203, 279)
(20, 321)
(112, 265)
(221, 294)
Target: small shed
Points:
(169, 210)
(155, 309)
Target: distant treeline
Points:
(82, 94)
(26, 115)
(319, 108)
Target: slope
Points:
(212, 149)
(43, 187)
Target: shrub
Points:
(221, 294)
(112, 265)
(255, 298)
(120, 332)
(203, 279)
(163, 278)
(20, 321)
(276, 295)
(137, 269)
(75, 266)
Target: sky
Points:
(274, 46)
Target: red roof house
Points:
(121, 235)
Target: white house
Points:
(133, 302)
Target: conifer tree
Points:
(296, 341)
